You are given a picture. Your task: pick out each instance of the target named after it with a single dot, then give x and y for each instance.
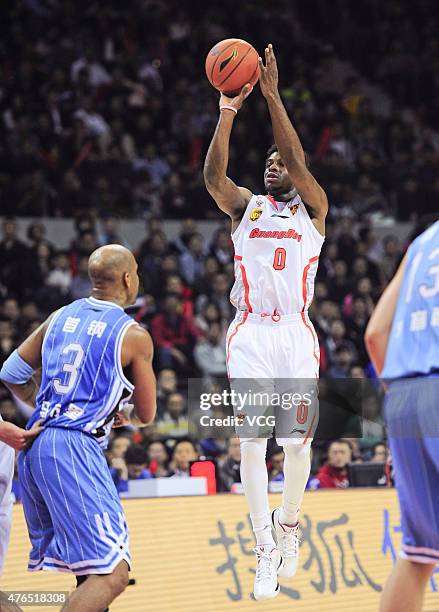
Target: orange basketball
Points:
(232, 63)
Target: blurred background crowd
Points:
(108, 109)
(105, 113)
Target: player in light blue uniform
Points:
(86, 349)
(403, 341)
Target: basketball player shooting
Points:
(402, 338)
(277, 239)
(92, 355)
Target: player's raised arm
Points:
(137, 354)
(229, 197)
(20, 372)
(288, 143)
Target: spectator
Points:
(166, 384)
(174, 424)
(219, 294)
(209, 314)
(222, 247)
(11, 310)
(131, 467)
(181, 243)
(183, 454)
(192, 260)
(343, 358)
(117, 447)
(210, 354)
(339, 287)
(151, 252)
(276, 465)
(109, 232)
(13, 257)
(333, 474)
(174, 284)
(337, 337)
(390, 258)
(229, 469)
(174, 335)
(36, 234)
(158, 459)
(81, 286)
(380, 453)
(7, 338)
(89, 65)
(60, 277)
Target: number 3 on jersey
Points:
(280, 256)
(70, 368)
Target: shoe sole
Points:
(277, 591)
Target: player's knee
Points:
(253, 447)
(292, 447)
(119, 579)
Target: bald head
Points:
(113, 272)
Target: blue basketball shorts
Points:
(412, 418)
(73, 513)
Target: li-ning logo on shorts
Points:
(255, 214)
(257, 233)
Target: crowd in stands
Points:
(108, 109)
(106, 113)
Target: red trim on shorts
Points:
(309, 430)
(238, 258)
(244, 319)
(313, 337)
(305, 297)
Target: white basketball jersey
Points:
(277, 249)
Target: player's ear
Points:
(127, 280)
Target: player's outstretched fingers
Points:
(267, 55)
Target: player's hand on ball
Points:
(238, 100)
(268, 80)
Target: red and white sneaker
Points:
(266, 585)
(287, 539)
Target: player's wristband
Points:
(228, 107)
(16, 370)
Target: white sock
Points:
(297, 467)
(254, 478)
(264, 537)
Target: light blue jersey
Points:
(82, 377)
(413, 347)
(72, 509)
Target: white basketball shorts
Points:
(274, 359)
